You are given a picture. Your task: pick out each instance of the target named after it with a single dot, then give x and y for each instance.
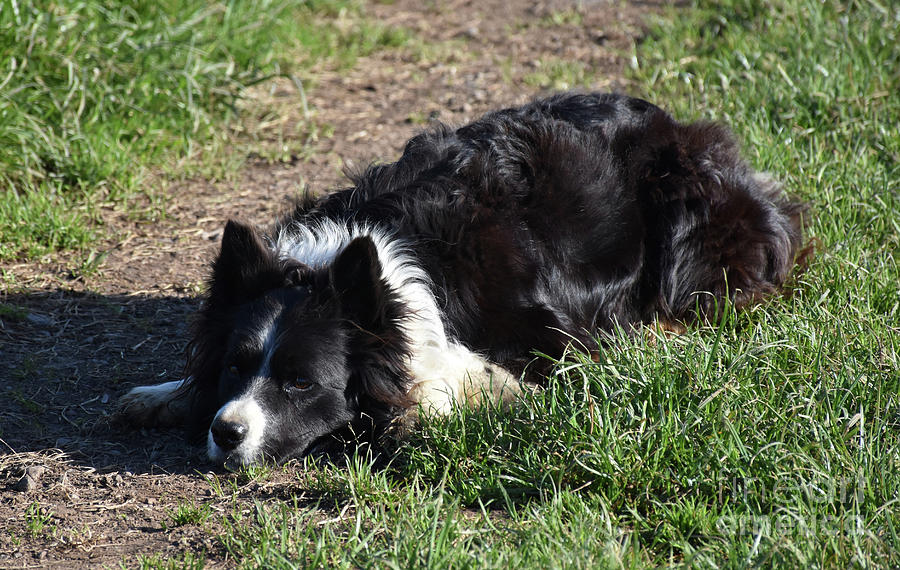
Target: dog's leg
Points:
(454, 375)
(164, 404)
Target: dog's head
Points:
(288, 359)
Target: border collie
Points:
(433, 281)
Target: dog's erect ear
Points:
(245, 266)
(356, 278)
(241, 245)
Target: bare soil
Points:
(100, 495)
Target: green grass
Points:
(95, 95)
(189, 513)
(769, 439)
(12, 312)
(559, 74)
(38, 520)
(157, 562)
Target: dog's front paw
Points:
(158, 405)
(494, 384)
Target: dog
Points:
(434, 281)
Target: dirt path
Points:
(73, 346)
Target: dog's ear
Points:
(241, 244)
(380, 377)
(356, 278)
(245, 267)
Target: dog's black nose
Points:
(228, 435)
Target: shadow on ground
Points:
(78, 491)
(67, 357)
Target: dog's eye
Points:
(300, 384)
(233, 370)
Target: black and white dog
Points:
(432, 281)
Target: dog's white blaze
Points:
(247, 411)
(266, 336)
(443, 370)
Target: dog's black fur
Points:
(533, 227)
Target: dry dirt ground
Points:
(96, 495)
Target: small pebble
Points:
(29, 481)
(41, 320)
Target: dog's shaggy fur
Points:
(433, 280)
